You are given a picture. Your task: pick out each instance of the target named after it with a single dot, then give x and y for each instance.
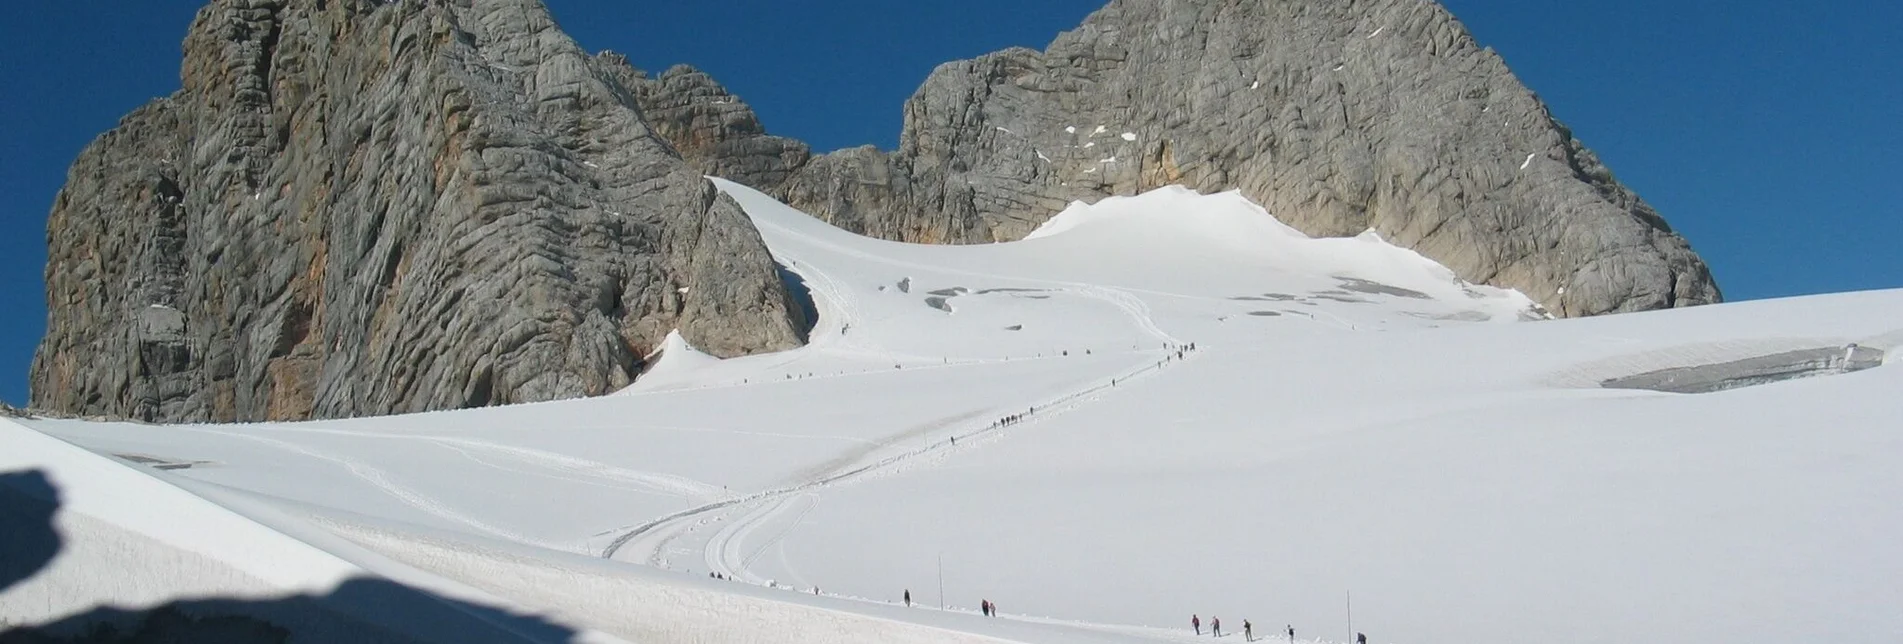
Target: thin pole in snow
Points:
(941, 580)
(1351, 617)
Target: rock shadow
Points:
(368, 609)
(802, 300)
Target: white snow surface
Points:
(1352, 419)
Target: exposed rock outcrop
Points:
(1339, 117)
(363, 207)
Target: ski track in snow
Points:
(382, 481)
(720, 552)
(654, 536)
(561, 464)
(758, 535)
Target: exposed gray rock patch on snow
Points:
(356, 207)
(938, 303)
(1465, 316)
(1377, 288)
(160, 463)
(1753, 371)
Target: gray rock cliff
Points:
(364, 206)
(361, 207)
(1337, 116)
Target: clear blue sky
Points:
(1770, 133)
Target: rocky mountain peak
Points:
(363, 207)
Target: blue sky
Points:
(1770, 133)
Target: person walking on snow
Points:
(1248, 631)
(1361, 639)
(1196, 623)
(908, 597)
(1215, 627)
(1291, 634)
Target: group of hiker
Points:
(1248, 629)
(985, 606)
(988, 609)
(1013, 419)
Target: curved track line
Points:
(382, 481)
(657, 532)
(667, 484)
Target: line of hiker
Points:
(1013, 419)
(985, 607)
(1248, 629)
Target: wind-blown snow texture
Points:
(1208, 413)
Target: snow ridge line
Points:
(637, 531)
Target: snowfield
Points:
(1155, 406)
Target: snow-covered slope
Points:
(1156, 406)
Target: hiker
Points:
(908, 597)
(1291, 634)
(1248, 631)
(1215, 627)
(1196, 623)
(1361, 639)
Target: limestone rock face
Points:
(1339, 117)
(710, 128)
(363, 207)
